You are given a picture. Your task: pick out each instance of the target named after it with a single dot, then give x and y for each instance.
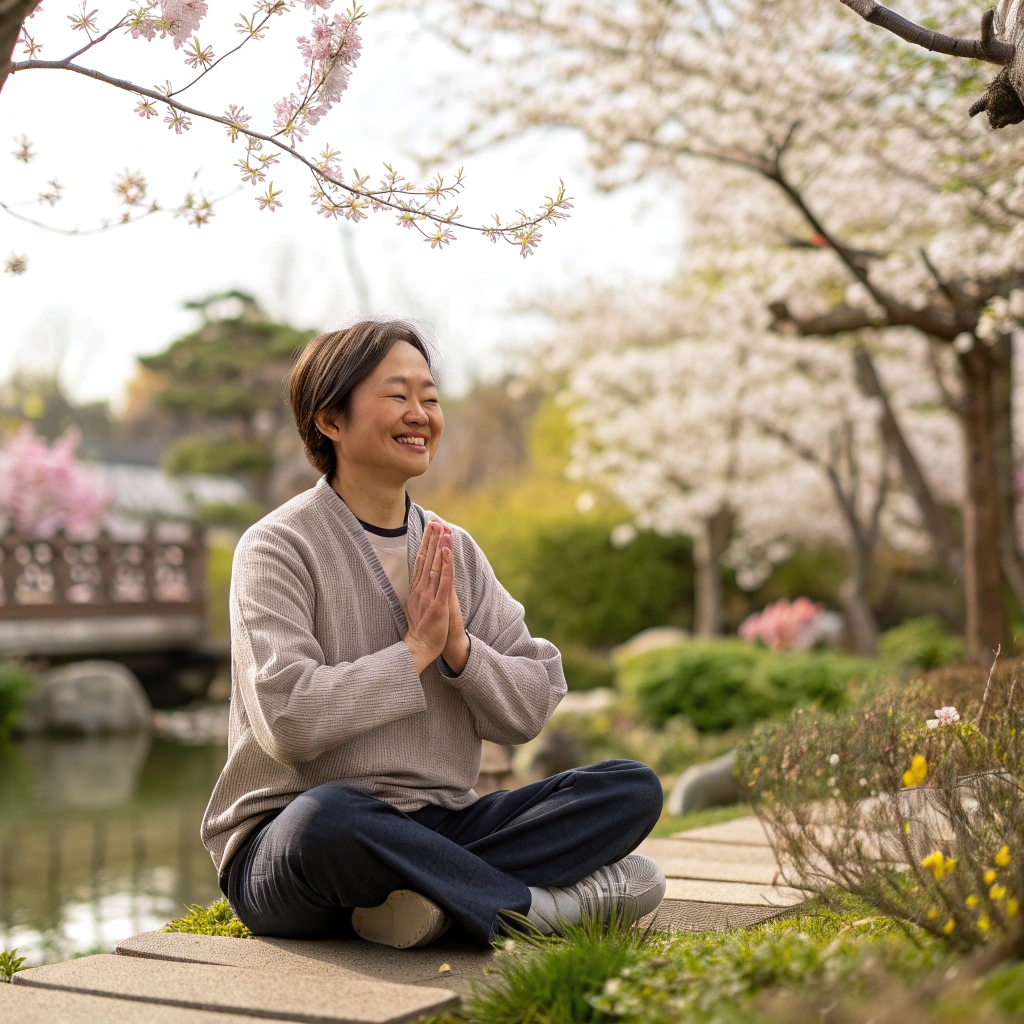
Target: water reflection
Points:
(99, 839)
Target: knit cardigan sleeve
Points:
(298, 706)
(512, 682)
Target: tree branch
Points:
(838, 320)
(988, 48)
(521, 230)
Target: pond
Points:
(99, 840)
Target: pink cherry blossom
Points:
(784, 625)
(943, 716)
(44, 489)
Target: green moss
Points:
(216, 919)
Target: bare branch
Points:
(988, 48)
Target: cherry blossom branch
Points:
(523, 232)
(8, 209)
(988, 48)
(254, 31)
(95, 42)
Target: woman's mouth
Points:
(414, 441)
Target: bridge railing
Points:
(161, 569)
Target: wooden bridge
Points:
(64, 597)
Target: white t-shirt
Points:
(394, 557)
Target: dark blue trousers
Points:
(334, 848)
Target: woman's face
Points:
(394, 421)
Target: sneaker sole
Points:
(404, 920)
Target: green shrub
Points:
(925, 642)
(203, 453)
(216, 919)
(722, 684)
(16, 684)
(585, 670)
(579, 587)
(240, 515)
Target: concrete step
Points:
(743, 831)
(353, 958)
(310, 998)
(709, 852)
(21, 1004)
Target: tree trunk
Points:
(856, 604)
(983, 573)
(1006, 472)
(708, 548)
(937, 520)
(12, 16)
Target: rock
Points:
(202, 725)
(650, 640)
(87, 698)
(556, 752)
(705, 785)
(586, 702)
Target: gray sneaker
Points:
(403, 920)
(630, 889)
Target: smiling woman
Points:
(372, 651)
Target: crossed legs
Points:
(334, 848)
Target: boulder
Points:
(87, 698)
(705, 785)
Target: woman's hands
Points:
(434, 614)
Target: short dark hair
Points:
(332, 366)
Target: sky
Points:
(94, 302)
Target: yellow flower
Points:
(906, 827)
(989, 876)
(1011, 908)
(936, 864)
(933, 914)
(997, 892)
(971, 901)
(984, 923)
(916, 773)
(947, 928)
(1002, 858)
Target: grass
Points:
(216, 919)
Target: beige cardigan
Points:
(324, 690)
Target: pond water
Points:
(99, 840)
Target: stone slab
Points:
(745, 831)
(21, 1004)
(712, 853)
(324, 957)
(309, 998)
(700, 916)
(720, 871)
(733, 893)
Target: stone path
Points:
(720, 877)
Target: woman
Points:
(372, 649)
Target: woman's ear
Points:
(327, 426)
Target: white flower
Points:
(834, 759)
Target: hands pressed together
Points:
(434, 614)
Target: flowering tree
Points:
(43, 489)
(749, 442)
(328, 53)
(855, 158)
